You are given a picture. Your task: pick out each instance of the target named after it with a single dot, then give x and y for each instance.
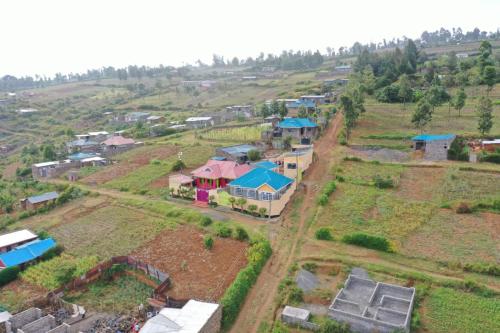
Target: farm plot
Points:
(18, 295)
(448, 310)
(109, 231)
(195, 271)
(240, 134)
(128, 162)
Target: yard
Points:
(195, 271)
(235, 134)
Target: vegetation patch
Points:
(368, 241)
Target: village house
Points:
(86, 159)
(263, 188)
(490, 145)
(245, 111)
(299, 129)
(117, 144)
(83, 145)
(155, 119)
(200, 122)
(316, 99)
(268, 165)
(27, 111)
(215, 175)
(294, 107)
(98, 136)
(237, 153)
(39, 201)
(134, 117)
(296, 162)
(340, 82)
(25, 253)
(193, 317)
(434, 147)
(50, 169)
(14, 239)
(343, 69)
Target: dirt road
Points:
(259, 302)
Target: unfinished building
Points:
(370, 306)
(33, 321)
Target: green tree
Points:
(282, 110)
(411, 56)
(6, 202)
(302, 112)
(241, 202)
(252, 209)
(253, 155)
(275, 107)
(232, 201)
(265, 111)
(485, 50)
(459, 100)
(489, 77)
(350, 114)
(484, 111)
(49, 153)
(422, 114)
(262, 211)
(405, 92)
(436, 95)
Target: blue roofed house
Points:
(38, 201)
(83, 145)
(434, 146)
(268, 165)
(302, 130)
(294, 107)
(263, 188)
(26, 253)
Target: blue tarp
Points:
(259, 176)
(27, 252)
(433, 137)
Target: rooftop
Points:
(26, 252)
(266, 165)
(118, 140)
(238, 149)
(221, 169)
(16, 237)
(43, 197)
(433, 137)
(259, 176)
(82, 143)
(301, 102)
(80, 156)
(44, 164)
(296, 123)
(198, 118)
(181, 179)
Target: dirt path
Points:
(259, 302)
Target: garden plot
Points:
(239, 134)
(195, 271)
(108, 231)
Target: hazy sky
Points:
(52, 36)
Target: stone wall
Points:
(22, 318)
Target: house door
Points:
(201, 195)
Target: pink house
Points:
(216, 174)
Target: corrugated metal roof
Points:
(296, 123)
(433, 137)
(27, 252)
(43, 197)
(300, 102)
(81, 156)
(238, 149)
(266, 165)
(259, 176)
(16, 237)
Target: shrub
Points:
(8, 274)
(458, 150)
(310, 266)
(382, 183)
(368, 241)
(235, 295)
(353, 159)
(483, 268)
(208, 241)
(206, 221)
(323, 200)
(332, 326)
(323, 234)
(329, 188)
(295, 295)
(463, 208)
(70, 193)
(339, 178)
(241, 234)
(342, 137)
(253, 155)
(223, 230)
(178, 165)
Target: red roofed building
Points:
(117, 144)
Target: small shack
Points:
(237, 153)
(26, 253)
(38, 201)
(434, 146)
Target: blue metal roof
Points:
(259, 176)
(82, 143)
(80, 156)
(296, 123)
(43, 197)
(218, 158)
(306, 103)
(27, 252)
(433, 137)
(238, 149)
(266, 165)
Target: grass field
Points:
(239, 134)
(448, 310)
(118, 296)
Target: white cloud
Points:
(71, 36)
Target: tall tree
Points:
(350, 113)
(422, 114)
(302, 112)
(49, 153)
(265, 111)
(405, 92)
(411, 56)
(459, 100)
(282, 109)
(484, 111)
(489, 77)
(275, 107)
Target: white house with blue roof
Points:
(264, 188)
(434, 146)
(302, 129)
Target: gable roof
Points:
(16, 237)
(296, 123)
(80, 156)
(43, 197)
(259, 176)
(306, 103)
(238, 150)
(81, 143)
(118, 140)
(433, 137)
(266, 165)
(214, 169)
(26, 252)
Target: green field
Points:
(239, 134)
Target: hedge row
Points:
(327, 191)
(235, 295)
(9, 274)
(368, 241)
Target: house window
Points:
(291, 165)
(445, 146)
(251, 194)
(238, 191)
(266, 196)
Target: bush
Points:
(206, 221)
(310, 266)
(178, 165)
(339, 178)
(208, 241)
(70, 193)
(463, 208)
(235, 295)
(352, 159)
(368, 241)
(253, 155)
(332, 326)
(382, 183)
(223, 230)
(329, 188)
(8, 274)
(490, 157)
(342, 137)
(241, 234)
(323, 234)
(458, 150)
(295, 295)
(323, 200)
(483, 268)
